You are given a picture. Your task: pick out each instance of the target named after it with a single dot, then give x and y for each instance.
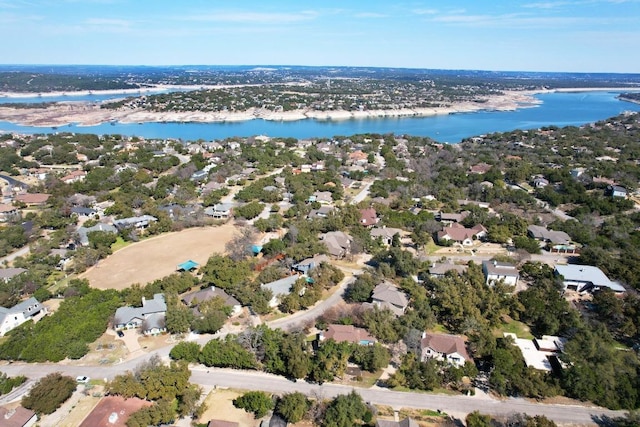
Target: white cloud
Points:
(253, 17)
(370, 15)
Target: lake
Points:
(557, 109)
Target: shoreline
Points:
(87, 114)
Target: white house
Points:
(449, 348)
(495, 271)
(150, 317)
(15, 316)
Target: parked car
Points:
(120, 334)
(82, 380)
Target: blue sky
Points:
(562, 35)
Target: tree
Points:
(292, 407)
(239, 247)
(186, 350)
(360, 290)
(346, 410)
(476, 419)
(257, 402)
(178, 318)
(49, 393)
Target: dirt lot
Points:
(220, 407)
(158, 257)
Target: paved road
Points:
(20, 252)
(362, 194)
(14, 182)
(302, 317)
(272, 383)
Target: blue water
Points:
(558, 109)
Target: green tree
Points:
(346, 410)
(292, 407)
(49, 393)
(476, 419)
(257, 402)
(186, 350)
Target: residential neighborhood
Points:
(433, 269)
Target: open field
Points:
(157, 257)
(220, 407)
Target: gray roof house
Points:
(150, 317)
(585, 278)
(387, 296)
(280, 288)
(219, 210)
(83, 232)
(306, 265)
(544, 235)
(338, 243)
(138, 222)
(194, 298)
(440, 269)
(15, 316)
(385, 233)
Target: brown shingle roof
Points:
(348, 333)
(445, 344)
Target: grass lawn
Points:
(431, 247)
(440, 329)
(119, 244)
(515, 327)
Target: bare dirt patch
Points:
(220, 407)
(158, 257)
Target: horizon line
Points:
(315, 66)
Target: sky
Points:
(500, 35)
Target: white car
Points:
(82, 380)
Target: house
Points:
(75, 176)
(495, 272)
(150, 317)
(540, 182)
(438, 270)
(387, 296)
(407, 422)
(114, 411)
(323, 212)
(17, 417)
(586, 278)
(306, 265)
(616, 191)
(33, 199)
(480, 168)
(83, 212)
(8, 212)
(539, 353)
(385, 234)
(451, 217)
(368, 217)
(550, 236)
(83, 232)
(280, 288)
(322, 197)
(221, 423)
(206, 294)
(137, 222)
(7, 274)
(15, 316)
(219, 210)
(460, 234)
(338, 243)
(445, 347)
(347, 333)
